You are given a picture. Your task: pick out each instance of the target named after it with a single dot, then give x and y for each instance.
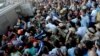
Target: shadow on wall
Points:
(7, 18)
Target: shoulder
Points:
(53, 51)
(92, 53)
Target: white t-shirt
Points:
(63, 49)
(52, 27)
(53, 18)
(16, 54)
(74, 20)
(47, 18)
(27, 34)
(93, 14)
(81, 31)
(54, 51)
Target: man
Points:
(51, 26)
(98, 30)
(84, 18)
(56, 51)
(93, 15)
(89, 35)
(81, 31)
(91, 48)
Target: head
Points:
(35, 44)
(13, 36)
(45, 50)
(72, 30)
(62, 41)
(78, 52)
(48, 33)
(89, 44)
(91, 32)
(29, 44)
(30, 38)
(76, 12)
(9, 45)
(62, 26)
(95, 5)
(73, 42)
(78, 24)
(83, 12)
(4, 37)
(57, 44)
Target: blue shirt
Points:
(81, 31)
(71, 51)
(84, 20)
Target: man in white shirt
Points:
(84, 19)
(51, 26)
(93, 15)
(81, 31)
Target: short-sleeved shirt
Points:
(85, 20)
(71, 51)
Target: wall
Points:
(8, 17)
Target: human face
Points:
(91, 35)
(81, 11)
(4, 37)
(35, 44)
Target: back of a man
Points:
(98, 17)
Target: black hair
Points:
(73, 42)
(78, 24)
(72, 24)
(84, 10)
(23, 38)
(95, 5)
(45, 50)
(78, 52)
(89, 44)
(1, 53)
(33, 29)
(48, 34)
(98, 29)
(12, 36)
(13, 49)
(57, 44)
(79, 17)
(62, 40)
(55, 22)
(30, 45)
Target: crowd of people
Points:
(57, 28)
